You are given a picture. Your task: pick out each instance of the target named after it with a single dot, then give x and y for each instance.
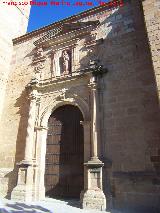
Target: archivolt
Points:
(54, 104)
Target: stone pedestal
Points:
(93, 197)
(24, 189)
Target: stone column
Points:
(93, 86)
(41, 152)
(30, 128)
(93, 197)
(75, 58)
(24, 191)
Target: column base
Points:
(24, 191)
(93, 199)
(40, 193)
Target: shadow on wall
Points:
(23, 104)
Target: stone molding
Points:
(42, 31)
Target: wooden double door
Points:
(64, 153)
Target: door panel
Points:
(65, 154)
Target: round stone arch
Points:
(42, 136)
(81, 104)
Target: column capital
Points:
(93, 83)
(33, 95)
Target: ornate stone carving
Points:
(63, 96)
(91, 39)
(39, 52)
(66, 28)
(39, 66)
(39, 61)
(66, 57)
(32, 84)
(51, 34)
(97, 69)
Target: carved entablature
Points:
(49, 35)
(68, 31)
(63, 50)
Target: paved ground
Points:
(47, 206)
(57, 206)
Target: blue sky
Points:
(44, 15)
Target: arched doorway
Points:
(64, 153)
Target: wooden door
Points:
(65, 154)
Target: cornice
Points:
(60, 80)
(56, 82)
(73, 18)
(56, 35)
(66, 36)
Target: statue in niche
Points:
(66, 62)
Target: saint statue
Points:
(66, 62)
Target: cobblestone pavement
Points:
(47, 206)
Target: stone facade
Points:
(112, 81)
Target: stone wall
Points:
(130, 117)
(151, 10)
(13, 23)
(128, 106)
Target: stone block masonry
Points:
(13, 23)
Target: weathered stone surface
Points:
(94, 200)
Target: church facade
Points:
(80, 117)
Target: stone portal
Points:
(64, 153)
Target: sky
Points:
(41, 16)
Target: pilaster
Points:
(93, 197)
(24, 190)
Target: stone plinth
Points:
(24, 189)
(93, 197)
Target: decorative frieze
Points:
(39, 62)
(49, 35)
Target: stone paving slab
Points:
(47, 206)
